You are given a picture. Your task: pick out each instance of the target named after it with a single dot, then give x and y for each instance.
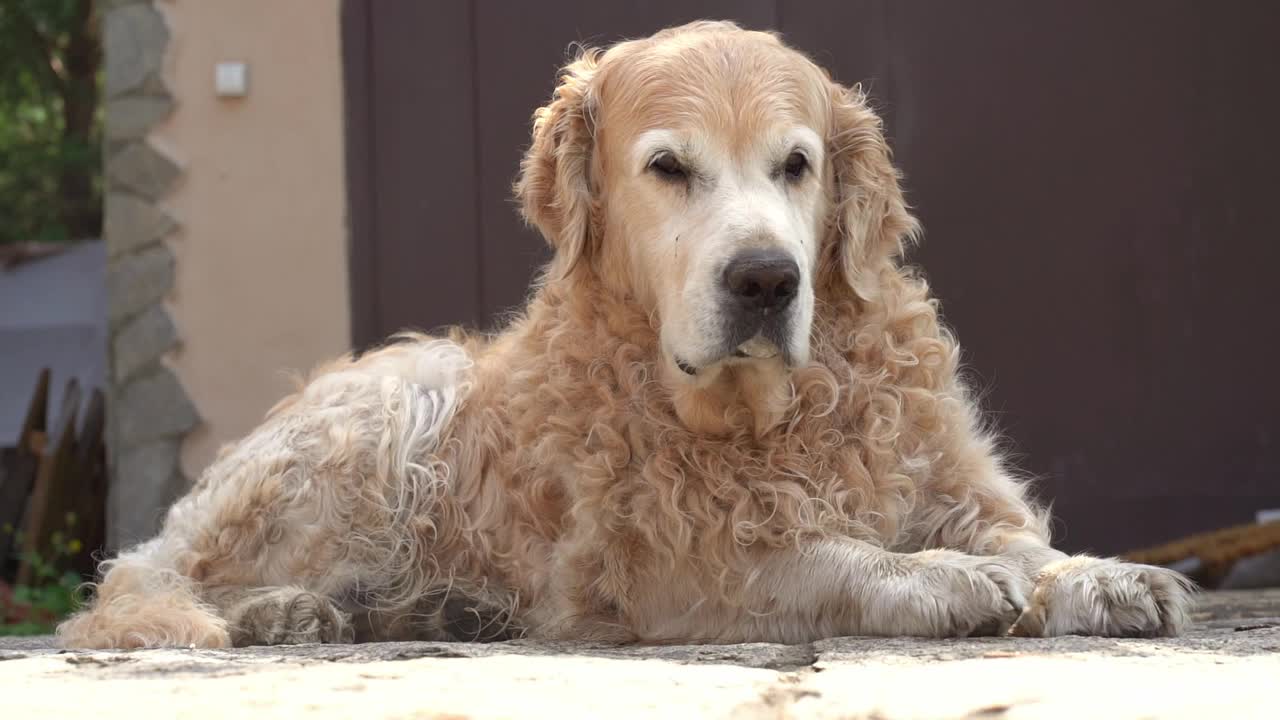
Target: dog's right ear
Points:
(554, 188)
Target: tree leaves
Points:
(49, 56)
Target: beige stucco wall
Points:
(261, 278)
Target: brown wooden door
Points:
(1096, 181)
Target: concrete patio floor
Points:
(1227, 666)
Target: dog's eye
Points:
(668, 167)
(795, 166)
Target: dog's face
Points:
(715, 200)
(713, 174)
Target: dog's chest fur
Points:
(570, 420)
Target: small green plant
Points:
(54, 591)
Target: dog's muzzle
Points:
(758, 288)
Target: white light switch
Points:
(231, 79)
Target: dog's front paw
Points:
(287, 616)
(1091, 596)
(958, 595)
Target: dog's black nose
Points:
(762, 279)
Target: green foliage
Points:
(50, 121)
(54, 593)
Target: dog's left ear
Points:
(872, 222)
(554, 188)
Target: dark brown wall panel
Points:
(415, 213)
(1096, 182)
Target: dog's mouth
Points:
(685, 367)
(744, 338)
(758, 347)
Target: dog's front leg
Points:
(845, 587)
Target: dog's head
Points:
(723, 181)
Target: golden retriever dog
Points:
(727, 413)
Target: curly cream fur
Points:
(564, 479)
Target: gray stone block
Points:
(152, 407)
(132, 223)
(130, 117)
(151, 412)
(136, 281)
(153, 85)
(141, 341)
(104, 5)
(147, 480)
(1256, 571)
(142, 169)
(134, 37)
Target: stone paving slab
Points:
(1227, 666)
